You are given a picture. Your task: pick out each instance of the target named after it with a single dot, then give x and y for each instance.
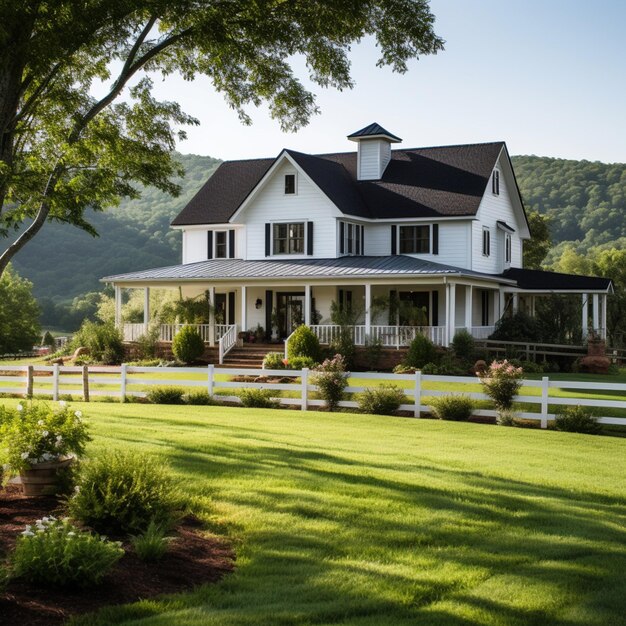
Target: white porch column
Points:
(468, 308)
(118, 307)
(244, 305)
(501, 304)
(596, 313)
(515, 303)
(604, 303)
(212, 316)
(451, 313)
(585, 315)
(307, 305)
(368, 310)
(146, 309)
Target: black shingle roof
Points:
(444, 181)
(539, 280)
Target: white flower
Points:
(40, 423)
(59, 437)
(45, 433)
(27, 528)
(24, 455)
(19, 407)
(28, 533)
(78, 414)
(77, 489)
(71, 534)
(62, 403)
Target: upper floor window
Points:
(290, 183)
(351, 238)
(288, 238)
(495, 182)
(507, 248)
(414, 239)
(486, 241)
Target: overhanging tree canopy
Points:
(62, 150)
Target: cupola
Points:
(374, 151)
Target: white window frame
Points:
(399, 238)
(495, 182)
(226, 235)
(295, 184)
(351, 243)
(305, 238)
(486, 239)
(508, 249)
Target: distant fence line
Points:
(91, 381)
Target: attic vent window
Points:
(290, 184)
(495, 183)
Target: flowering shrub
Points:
(501, 382)
(331, 378)
(37, 433)
(54, 552)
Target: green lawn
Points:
(353, 519)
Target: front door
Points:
(220, 308)
(290, 312)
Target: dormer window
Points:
(290, 184)
(495, 182)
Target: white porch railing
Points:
(167, 332)
(389, 336)
(482, 332)
(132, 332)
(227, 341)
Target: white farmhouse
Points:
(424, 240)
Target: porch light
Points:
(258, 304)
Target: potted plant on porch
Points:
(37, 442)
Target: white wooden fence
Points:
(124, 381)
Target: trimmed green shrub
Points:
(300, 362)
(274, 361)
(200, 398)
(303, 342)
(332, 379)
(421, 351)
(166, 395)
(452, 407)
(382, 400)
(122, 492)
(188, 345)
(48, 340)
(258, 398)
(575, 419)
(104, 342)
(463, 345)
(53, 552)
(152, 544)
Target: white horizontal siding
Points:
(308, 204)
(369, 159)
(194, 246)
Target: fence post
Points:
(123, 383)
(305, 388)
(544, 401)
(29, 381)
(417, 394)
(210, 379)
(86, 383)
(55, 382)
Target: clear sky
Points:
(546, 76)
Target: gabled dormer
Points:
(374, 151)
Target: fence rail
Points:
(539, 398)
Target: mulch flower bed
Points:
(192, 559)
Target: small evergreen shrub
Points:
(53, 552)
(188, 345)
(104, 342)
(382, 400)
(575, 419)
(303, 342)
(121, 492)
(200, 398)
(300, 362)
(147, 343)
(421, 351)
(431, 369)
(258, 398)
(274, 361)
(452, 407)
(463, 345)
(48, 340)
(166, 395)
(331, 378)
(518, 327)
(152, 544)
(373, 352)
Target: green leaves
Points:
(19, 314)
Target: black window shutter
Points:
(269, 305)
(394, 241)
(362, 240)
(393, 308)
(209, 244)
(342, 231)
(309, 238)
(268, 239)
(231, 244)
(435, 311)
(231, 307)
(341, 299)
(435, 238)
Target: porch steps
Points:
(250, 355)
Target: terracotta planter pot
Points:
(43, 479)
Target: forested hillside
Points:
(585, 201)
